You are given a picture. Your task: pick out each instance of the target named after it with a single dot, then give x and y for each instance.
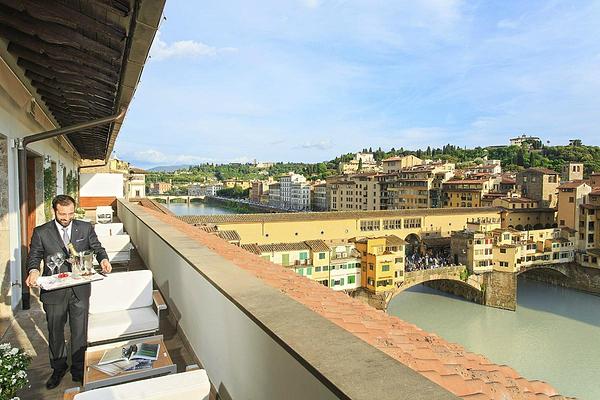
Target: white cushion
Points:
(121, 291)
(111, 229)
(111, 325)
(183, 386)
(115, 242)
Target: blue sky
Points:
(306, 80)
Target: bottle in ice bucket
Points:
(74, 260)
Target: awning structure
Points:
(84, 58)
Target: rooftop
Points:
(324, 216)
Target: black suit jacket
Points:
(47, 240)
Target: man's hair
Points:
(63, 200)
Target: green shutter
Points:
(309, 271)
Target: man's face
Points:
(64, 214)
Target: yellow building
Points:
(571, 195)
(589, 230)
(465, 192)
(418, 186)
(395, 164)
(528, 218)
(472, 249)
(354, 192)
(514, 202)
(382, 262)
(293, 227)
(231, 183)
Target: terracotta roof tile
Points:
(467, 375)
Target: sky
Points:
(307, 80)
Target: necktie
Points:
(65, 237)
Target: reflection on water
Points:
(197, 209)
(551, 337)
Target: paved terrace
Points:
(28, 330)
(464, 374)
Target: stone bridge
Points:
(453, 279)
(169, 198)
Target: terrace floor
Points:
(28, 330)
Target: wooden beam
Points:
(67, 54)
(56, 12)
(54, 64)
(64, 77)
(54, 33)
(72, 86)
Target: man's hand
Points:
(31, 280)
(106, 267)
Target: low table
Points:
(93, 378)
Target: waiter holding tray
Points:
(47, 240)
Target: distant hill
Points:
(168, 168)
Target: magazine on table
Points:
(135, 352)
(118, 367)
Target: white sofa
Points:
(118, 247)
(104, 214)
(109, 229)
(191, 385)
(123, 304)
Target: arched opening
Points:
(547, 226)
(519, 227)
(450, 286)
(555, 225)
(196, 200)
(162, 201)
(413, 245)
(511, 227)
(528, 227)
(178, 200)
(538, 226)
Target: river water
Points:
(553, 336)
(197, 209)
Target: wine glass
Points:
(51, 265)
(58, 259)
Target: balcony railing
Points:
(253, 340)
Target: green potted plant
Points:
(13, 367)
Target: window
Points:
(370, 225)
(398, 260)
(351, 279)
(502, 250)
(309, 271)
(412, 223)
(321, 256)
(370, 267)
(300, 271)
(317, 269)
(325, 268)
(303, 255)
(265, 257)
(392, 224)
(571, 199)
(385, 268)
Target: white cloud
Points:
(312, 3)
(507, 24)
(162, 50)
(321, 145)
(155, 157)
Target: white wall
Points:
(238, 355)
(101, 185)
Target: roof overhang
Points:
(82, 59)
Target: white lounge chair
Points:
(191, 385)
(123, 305)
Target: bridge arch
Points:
(451, 279)
(554, 269)
(413, 244)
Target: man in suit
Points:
(47, 240)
